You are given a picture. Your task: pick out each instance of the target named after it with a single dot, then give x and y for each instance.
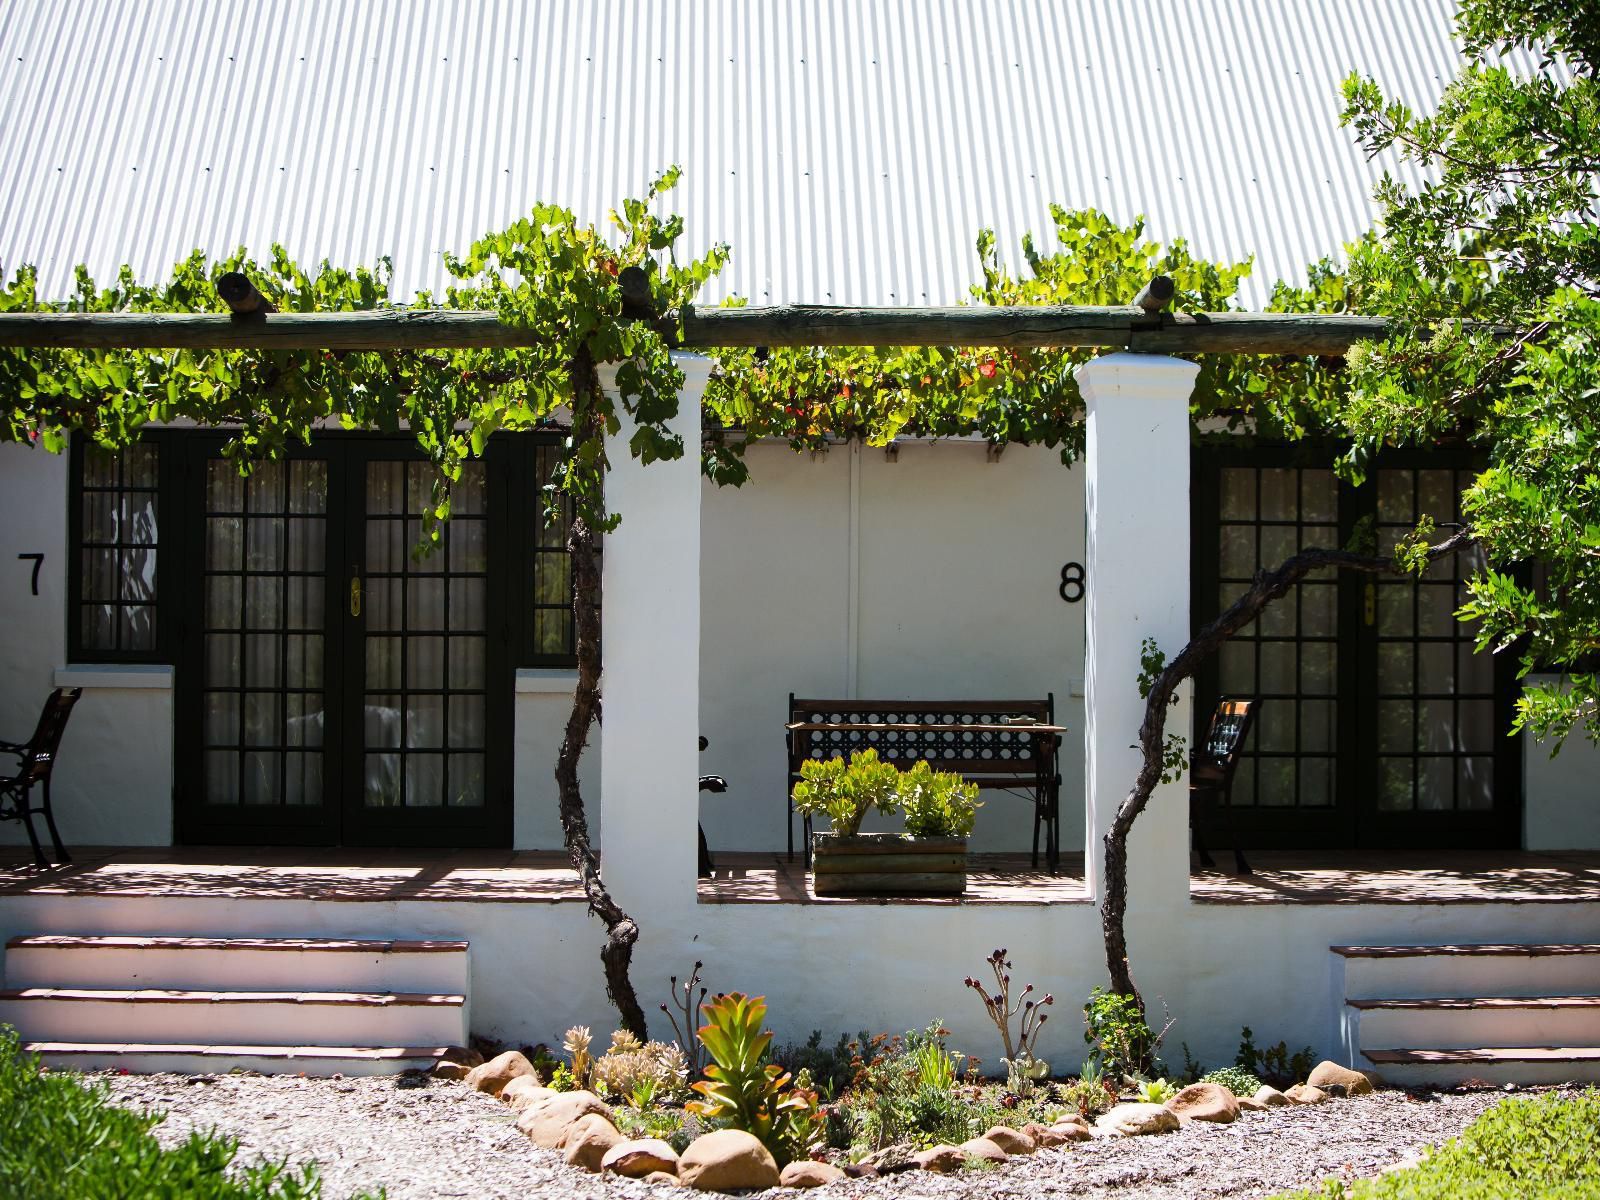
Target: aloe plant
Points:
(744, 1088)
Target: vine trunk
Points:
(622, 932)
(1266, 587)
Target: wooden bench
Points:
(996, 744)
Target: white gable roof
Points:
(848, 149)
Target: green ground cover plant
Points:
(65, 1140)
(1531, 1148)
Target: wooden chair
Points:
(37, 757)
(1211, 775)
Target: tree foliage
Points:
(1504, 232)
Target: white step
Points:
(236, 964)
(1522, 1065)
(145, 1058)
(258, 1018)
(1481, 1021)
(1408, 972)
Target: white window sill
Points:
(547, 680)
(115, 675)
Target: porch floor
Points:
(528, 876)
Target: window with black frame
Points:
(113, 564)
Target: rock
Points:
(892, 1158)
(1045, 1138)
(1269, 1097)
(464, 1056)
(1205, 1102)
(640, 1157)
(523, 1090)
(803, 1173)
(983, 1150)
(1133, 1120)
(493, 1075)
(588, 1140)
(1250, 1104)
(661, 1177)
(545, 1121)
(942, 1158)
(862, 1170)
(1304, 1093)
(727, 1160)
(1012, 1141)
(1072, 1131)
(1329, 1072)
(445, 1069)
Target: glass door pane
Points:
(264, 639)
(424, 638)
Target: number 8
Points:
(1072, 577)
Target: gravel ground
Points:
(430, 1138)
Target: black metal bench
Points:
(996, 744)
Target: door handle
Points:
(355, 595)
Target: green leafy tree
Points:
(1505, 233)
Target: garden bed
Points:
(421, 1138)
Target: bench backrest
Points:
(1002, 754)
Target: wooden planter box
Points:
(887, 864)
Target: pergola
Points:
(1137, 517)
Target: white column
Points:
(649, 756)
(1137, 568)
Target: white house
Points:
(299, 724)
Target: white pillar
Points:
(1137, 569)
(650, 618)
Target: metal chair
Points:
(1211, 775)
(708, 783)
(37, 757)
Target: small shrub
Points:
(628, 1065)
(1236, 1079)
(742, 1089)
(1157, 1091)
(1090, 1094)
(937, 804)
(832, 1067)
(1114, 1027)
(845, 793)
(64, 1140)
(672, 1125)
(1532, 1148)
(1274, 1064)
(1022, 1067)
(576, 1043)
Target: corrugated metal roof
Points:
(849, 150)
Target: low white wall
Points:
(885, 968)
(1561, 794)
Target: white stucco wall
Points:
(1561, 794)
(114, 782)
(847, 575)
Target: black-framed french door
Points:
(1378, 724)
(334, 685)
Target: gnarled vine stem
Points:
(621, 930)
(1266, 587)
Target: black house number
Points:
(1072, 582)
(38, 561)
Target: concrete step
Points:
(236, 964)
(1482, 1021)
(150, 1058)
(256, 1018)
(1498, 969)
(1497, 1065)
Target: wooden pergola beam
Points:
(1130, 327)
